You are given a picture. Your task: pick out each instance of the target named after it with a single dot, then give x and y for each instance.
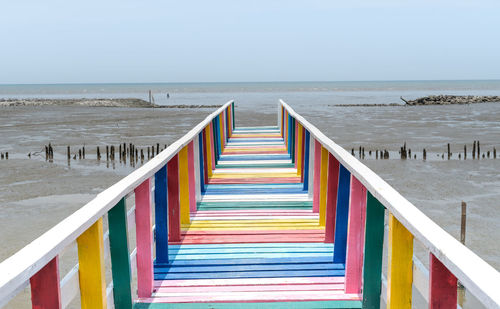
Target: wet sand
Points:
(35, 194)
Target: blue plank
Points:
(252, 274)
(247, 261)
(161, 222)
(342, 215)
(202, 163)
(306, 160)
(240, 268)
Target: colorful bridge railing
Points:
(352, 200)
(179, 177)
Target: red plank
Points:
(174, 218)
(316, 176)
(45, 289)
(355, 237)
(442, 285)
(205, 166)
(331, 198)
(192, 182)
(144, 235)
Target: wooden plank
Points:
(443, 285)
(263, 305)
(297, 145)
(317, 176)
(355, 238)
(144, 239)
(374, 241)
(174, 220)
(342, 215)
(192, 176)
(120, 263)
(400, 270)
(184, 207)
(91, 267)
(323, 186)
(205, 158)
(198, 171)
(45, 288)
(161, 215)
(474, 273)
(331, 199)
(305, 175)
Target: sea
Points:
(35, 194)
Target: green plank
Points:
(269, 305)
(120, 263)
(374, 241)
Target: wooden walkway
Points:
(253, 238)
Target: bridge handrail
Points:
(480, 278)
(16, 270)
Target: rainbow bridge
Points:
(248, 217)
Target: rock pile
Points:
(451, 99)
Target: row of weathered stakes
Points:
(126, 152)
(133, 154)
(405, 153)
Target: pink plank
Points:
(355, 237)
(331, 198)
(255, 232)
(254, 288)
(174, 218)
(144, 235)
(249, 281)
(442, 285)
(192, 182)
(254, 297)
(316, 176)
(45, 289)
(302, 149)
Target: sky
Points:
(125, 41)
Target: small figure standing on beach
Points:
(168, 95)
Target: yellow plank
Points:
(91, 267)
(400, 276)
(299, 150)
(184, 185)
(323, 183)
(209, 150)
(221, 126)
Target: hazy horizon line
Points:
(246, 82)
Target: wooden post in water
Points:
(98, 153)
(424, 155)
(465, 152)
(79, 154)
(494, 153)
(107, 153)
(474, 150)
(478, 151)
(157, 148)
(69, 153)
(463, 223)
(83, 151)
(449, 151)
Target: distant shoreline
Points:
(85, 102)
